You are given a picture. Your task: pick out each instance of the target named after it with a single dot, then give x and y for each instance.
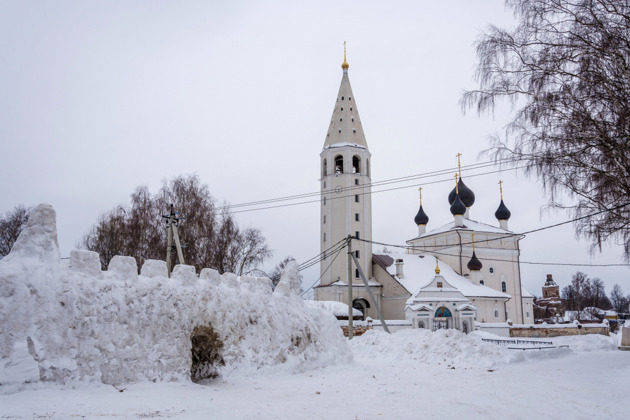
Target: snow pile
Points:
(75, 323)
(448, 347)
(338, 309)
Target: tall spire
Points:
(345, 127)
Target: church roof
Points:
(420, 272)
(469, 225)
(345, 127)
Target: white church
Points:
(451, 276)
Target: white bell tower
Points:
(346, 201)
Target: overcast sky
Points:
(99, 97)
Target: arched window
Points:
(367, 167)
(496, 313)
(338, 164)
(481, 282)
(503, 287)
(356, 164)
(324, 168)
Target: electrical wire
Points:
(508, 235)
(443, 247)
(339, 196)
(473, 166)
(324, 272)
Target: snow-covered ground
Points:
(408, 375)
(76, 342)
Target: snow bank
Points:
(447, 347)
(75, 323)
(453, 348)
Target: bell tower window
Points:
(324, 168)
(356, 165)
(338, 164)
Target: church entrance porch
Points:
(442, 319)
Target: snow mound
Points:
(453, 348)
(75, 323)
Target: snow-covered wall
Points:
(68, 323)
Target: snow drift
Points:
(68, 323)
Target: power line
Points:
(324, 272)
(443, 247)
(473, 166)
(372, 192)
(508, 235)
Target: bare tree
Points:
(209, 240)
(577, 293)
(565, 68)
(11, 225)
(619, 302)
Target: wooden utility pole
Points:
(350, 308)
(171, 226)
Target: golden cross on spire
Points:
(501, 188)
(345, 64)
(459, 164)
(456, 186)
(420, 191)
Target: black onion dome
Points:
(458, 208)
(421, 218)
(474, 264)
(465, 194)
(502, 212)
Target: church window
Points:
(339, 163)
(356, 182)
(324, 219)
(356, 164)
(324, 184)
(324, 236)
(503, 287)
(496, 313)
(342, 98)
(356, 198)
(349, 98)
(354, 130)
(339, 131)
(527, 314)
(342, 108)
(439, 284)
(352, 119)
(356, 273)
(350, 108)
(357, 234)
(324, 170)
(324, 200)
(356, 217)
(356, 253)
(491, 270)
(481, 282)
(340, 119)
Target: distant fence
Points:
(532, 345)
